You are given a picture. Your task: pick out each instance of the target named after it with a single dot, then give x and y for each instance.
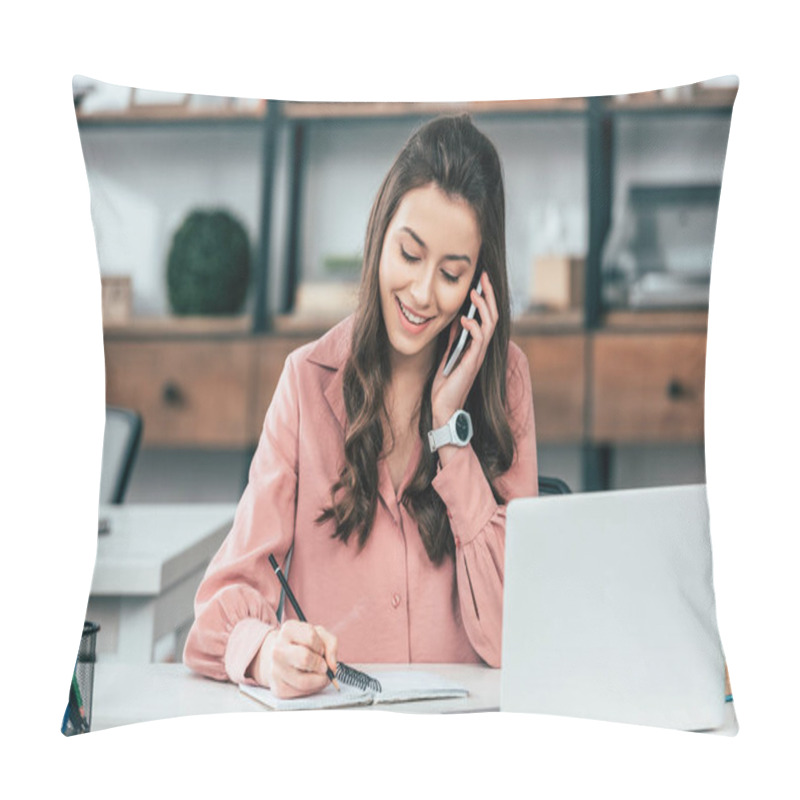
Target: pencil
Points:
(297, 610)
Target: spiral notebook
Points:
(396, 687)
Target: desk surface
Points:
(130, 693)
(151, 546)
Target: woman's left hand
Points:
(449, 394)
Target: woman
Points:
(396, 536)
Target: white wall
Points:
(543, 162)
(144, 181)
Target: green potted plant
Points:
(208, 267)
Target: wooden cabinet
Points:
(207, 392)
(607, 387)
(558, 365)
(198, 391)
(192, 392)
(647, 387)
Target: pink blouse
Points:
(388, 602)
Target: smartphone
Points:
(460, 343)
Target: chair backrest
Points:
(123, 433)
(552, 486)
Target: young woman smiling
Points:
(387, 481)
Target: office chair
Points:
(552, 486)
(123, 434)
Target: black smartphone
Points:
(460, 343)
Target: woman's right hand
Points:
(293, 659)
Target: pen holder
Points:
(78, 716)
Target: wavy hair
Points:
(451, 153)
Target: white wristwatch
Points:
(458, 431)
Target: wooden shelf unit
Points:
(342, 110)
(210, 386)
(208, 382)
(165, 115)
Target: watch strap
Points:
(439, 437)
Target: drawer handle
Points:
(171, 394)
(676, 390)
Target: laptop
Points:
(609, 610)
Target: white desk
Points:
(130, 693)
(147, 571)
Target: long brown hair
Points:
(450, 152)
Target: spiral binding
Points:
(354, 677)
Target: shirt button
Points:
(395, 600)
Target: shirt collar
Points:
(331, 352)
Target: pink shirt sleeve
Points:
(478, 522)
(235, 604)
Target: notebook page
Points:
(400, 686)
(327, 698)
(397, 686)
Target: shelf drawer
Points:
(557, 365)
(648, 387)
(190, 393)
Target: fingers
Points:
(303, 633)
(451, 392)
(306, 646)
(489, 298)
(331, 644)
(476, 331)
(486, 304)
(453, 332)
(301, 656)
(289, 684)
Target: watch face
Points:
(462, 427)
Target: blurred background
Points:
(229, 232)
